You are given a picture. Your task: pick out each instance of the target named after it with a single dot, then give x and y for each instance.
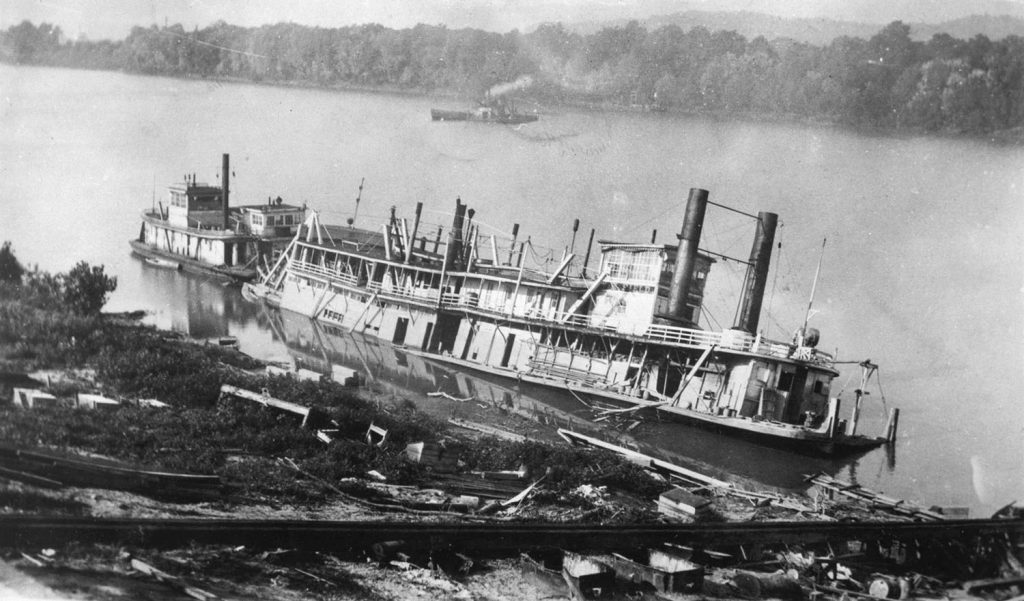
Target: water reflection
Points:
(196, 305)
(335, 353)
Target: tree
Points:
(86, 288)
(10, 269)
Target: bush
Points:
(10, 269)
(86, 288)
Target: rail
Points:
(307, 268)
(729, 340)
(416, 294)
(32, 531)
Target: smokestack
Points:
(224, 179)
(453, 254)
(757, 273)
(686, 257)
(415, 229)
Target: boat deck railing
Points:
(734, 340)
(728, 340)
(413, 294)
(307, 268)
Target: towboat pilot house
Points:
(625, 331)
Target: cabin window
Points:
(287, 219)
(820, 387)
(257, 219)
(632, 266)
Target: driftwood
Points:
(756, 585)
(171, 581)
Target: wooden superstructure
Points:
(624, 331)
(199, 231)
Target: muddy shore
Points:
(274, 464)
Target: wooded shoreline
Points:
(889, 83)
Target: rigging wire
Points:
(771, 293)
(881, 393)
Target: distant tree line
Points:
(971, 86)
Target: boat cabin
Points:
(195, 205)
(274, 219)
(638, 278)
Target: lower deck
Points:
(742, 395)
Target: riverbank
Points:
(346, 461)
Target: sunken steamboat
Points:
(625, 333)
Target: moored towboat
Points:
(198, 231)
(625, 333)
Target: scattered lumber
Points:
(680, 503)
(587, 577)
(174, 582)
(683, 577)
(434, 455)
(485, 429)
(313, 419)
(875, 499)
(53, 470)
(646, 461)
(757, 585)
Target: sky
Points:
(113, 19)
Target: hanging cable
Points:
(881, 393)
(771, 294)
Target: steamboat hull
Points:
(163, 258)
(774, 435)
(411, 324)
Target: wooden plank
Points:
(264, 399)
(28, 478)
(641, 459)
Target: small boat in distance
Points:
(162, 263)
(198, 231)
(491, 110)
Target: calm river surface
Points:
(922, 271)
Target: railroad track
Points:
(18, 531)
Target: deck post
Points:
(851, 430)
(890, 428)
(833, 418)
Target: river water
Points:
(921, 272)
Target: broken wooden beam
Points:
(757, 585)
(875, 499)
(645, 461)
(172, 581)
(264, 399)
(485, 429)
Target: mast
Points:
(814, 286)
(352, 219)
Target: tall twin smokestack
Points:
(686, 261)
(757, 273)
(686, 257)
